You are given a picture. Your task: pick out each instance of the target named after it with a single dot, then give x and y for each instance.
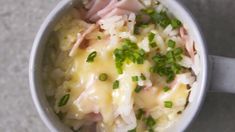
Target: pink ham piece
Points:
(183, 33)
(189, 44)
(80, 38)
(117, 12)
(94, 18)
(107, 9)
(131, 5)
(89, 4)
(94, 117)
(114, 7)
(96, 6)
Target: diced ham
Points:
(89, 4)
(94, 117)
(117, 12)
(97, 5)
(131, 5)
(81, 13)
(94, 18)
(80, 38)
(189, 43)
(108, 8)
(183, 33)
(114, 7)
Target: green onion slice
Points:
(165, 89)
(142, 77)
(138, 88)
(116, 84)
(103, 77)
(99, 37)
(150, 122)
(168, 104)
(63, 101)
(140, 114)
(171, 43)
(91, 56)
(135, 78)
(133, 130)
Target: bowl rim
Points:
(44, 113)
(61, 7)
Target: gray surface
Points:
(19, 21)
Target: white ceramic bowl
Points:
(197, 95)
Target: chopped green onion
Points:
(178, 58)
(63, 101)
(142, 77)
(168, 104)
(144, 25)
(99, 37)
(148, 11)
(153, 45)
(179, 112)
(138, 88)
(139, 114)
(133, 130)
(165, 89)
(178, 51)
(167, 65)
(171, 43)
(161, 18)
(103, 77)
(175, 23)
(91, 56)
(151, 69)
(176, 68)
(170, 77)
(116, 84)
(151, 37)
(135, 78)
(129, 52)
(150, 122)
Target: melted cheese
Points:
(97, 95)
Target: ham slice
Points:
(111, 8)
(81, 37)
(131, 5)
(117, 12)
(183, 33)
(89, 4)
(96, 6)
(94, 18)
(107, 9)
(189, 44)
(95, 117)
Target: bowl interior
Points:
(35, 69)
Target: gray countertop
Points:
(19, 22)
